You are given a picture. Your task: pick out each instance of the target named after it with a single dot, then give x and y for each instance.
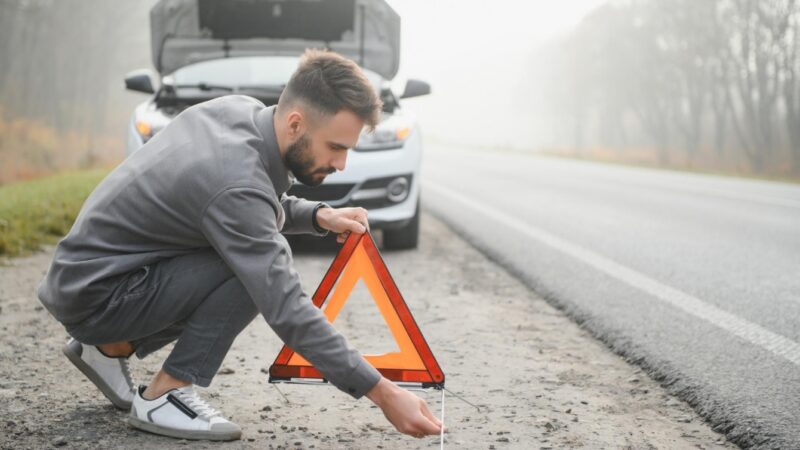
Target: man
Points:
(183, 241)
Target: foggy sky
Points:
(478, 58)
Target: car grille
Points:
(381, 202)
(322, 193)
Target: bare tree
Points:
(695, 75)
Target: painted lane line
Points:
(744, 329)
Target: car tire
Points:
(403, 238)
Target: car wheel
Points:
(405, 237)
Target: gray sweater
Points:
(213, 177)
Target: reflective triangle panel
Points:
(359, 259)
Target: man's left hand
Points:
(343, 221)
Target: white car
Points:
(203, 49)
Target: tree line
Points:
(62, 98)
(704, 83)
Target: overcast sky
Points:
(475, 54)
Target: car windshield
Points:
(237, 72)
(255, 71)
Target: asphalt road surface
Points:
(694, 277)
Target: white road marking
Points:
(744, 329)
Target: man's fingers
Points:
(355, 227)
(427, 413)
(425, 423)
(361, 216)
(426, 427)
(349, 219)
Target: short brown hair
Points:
(329, 82)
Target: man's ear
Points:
(295, 123)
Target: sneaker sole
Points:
(183, 434)
(76, 360)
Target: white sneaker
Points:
(111, 375)
(180, 413)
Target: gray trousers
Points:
(193, 298)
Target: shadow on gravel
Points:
(313, 245)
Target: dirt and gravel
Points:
(538, 380)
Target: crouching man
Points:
(182, 242)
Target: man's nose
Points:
(339, 161)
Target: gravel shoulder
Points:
(538, 379)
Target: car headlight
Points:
(384, 137)
(146, 129)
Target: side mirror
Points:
(142, 80)
(415, 88)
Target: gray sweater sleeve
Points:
(240, 223)
(299, 213)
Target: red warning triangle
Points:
(359, 259)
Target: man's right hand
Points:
(408, 413)
(343, 221)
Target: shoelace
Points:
(199, 406)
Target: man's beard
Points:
(301, 163)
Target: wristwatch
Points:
(314, 218)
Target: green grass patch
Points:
(37, 212)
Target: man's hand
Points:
(408, 413)
(343, 221)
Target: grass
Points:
(37, 212)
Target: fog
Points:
(692, 84)
(477, 56)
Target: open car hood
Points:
(184, 32)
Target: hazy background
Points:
(700, 84)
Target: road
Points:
(694, 277)
(564, 389)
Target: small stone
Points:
(251, 439)
(569, 410)
(226, 371)
(633, 380)
(59, 441)
(267, 408)
(502, 439)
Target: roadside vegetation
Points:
(37, 212)
(683, 84)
